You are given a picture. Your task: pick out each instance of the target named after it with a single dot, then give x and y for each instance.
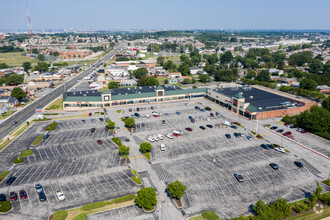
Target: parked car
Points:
(217, 113)
(93, 120)
(228, 136)
(60, 195)
(163, 122)
(99, 142)
(3, 198)
(287, 133)
(271, 146)
(90, 114)
(236, 135)
(10, 180)
(147, 116)
(160, 136)
(130, 110)
(178, 113)
(84, 121)
(190, 117)
(156, 137)
(137, 115)
(202, 110)
(197, 107)
(92, 130)
(233, 126)
(265, 146)
(101, 119)
(211, 114)
(143, 124)
(151, 139)
(303, 131)
(42, 196)
(249, 137)
(138, 109)
(192, 120)
(280, 149)
(298, 164)
(170, 136)
(202, 127)
(188, 129)
(39, 188)
(106, 128)
(13, 196)
(209, 126)
(273, 128)
(239, 177)
(162, 147)
(207, 108)
(274, 166)
(22, 194)
(280, 130)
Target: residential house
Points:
(194, 70)
(323, 89)
(174, 75)
(9, 101)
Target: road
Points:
(20, 117)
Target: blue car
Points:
(202, 110)
(179, 113)
(39, 188)
(265, 146)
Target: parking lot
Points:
(71, 160)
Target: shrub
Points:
(81, 216)
(326, 182)
(146, 198)
(148, 156)
(52, 126)
(18, 160)
(210, 215)
(123, 150)
(124, 198)
(176, 189)
(5, 206)
(267, 125)
(259, 136)
(301, 207)
(145, 147)
(60, 215)
(109, 202)
(26, 153)
(102, 113)
(37, 140)
(93, 205)
(325, 198)
(253, 133)
(118, 111)
(117, 141)
(4, 174)
(136, 178)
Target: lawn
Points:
(37, 140)
(312, 215)
(4, 174)
(6, 114)
(56, 105)
(15, 59)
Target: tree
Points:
(166, 81)
(113, 85)
(129, 122)
(3, 66)
(264, 76)
(176, 189)
(42, 66)
(160, 60)
(226, 57)
(146, 198)
(18, 93)
(315, 120)
(140, 72)
(186, 81)
(56, 54)
(300, 58)
(203, 78)
(251, 74)
(326, 103)
(316, 66)
(111, 124)
(123, 150)
(281, 208)
(14, 79)
(169, 65)
(41, 57)
(308, 84)
(35, 51)
(147, 81)
(27, 66)
(145, 147)
(225, 75)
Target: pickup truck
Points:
(60, 195)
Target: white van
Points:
(162, 147)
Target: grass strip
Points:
(136, 178)
(37, 140)
(4, 174)
(148, 155)
(60, 215)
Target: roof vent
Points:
(140, 87)
(260, 108)
(251, 97)
(241, 93)
(74, 93)
(128, 88)
(139, 92)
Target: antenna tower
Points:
(30, 33)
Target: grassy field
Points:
(6, 114)
(312, 215)
(15, 59)
(56, 105)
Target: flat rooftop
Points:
(143, 89)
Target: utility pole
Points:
(30, 33)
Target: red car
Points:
(286, 123)
(188, 129)
(176, 135)
(90, 114)
(211, 114)
(22, 194)
(303, 131)
(99, 142)
(13, 196)
(287, 133)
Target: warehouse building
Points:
(257, 103)
(128, 96)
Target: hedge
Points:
(5, 206)
(210, 215)
(52, 126)
(93, 205)
(118, 111)
(117, 141)
(37, 140)
(124, 198)
(4, 174)
(148, 156)
(326, 182)
(82, 216)
(60, 215)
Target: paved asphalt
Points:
(20, 117)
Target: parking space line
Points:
(101, 183)
(86, 187)
(62, 168)
(48, 171)
(83, 195)
(109, 183)
(69, 190)
(68, 168)
(54, 192)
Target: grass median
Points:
(37, 140)
(136, 178)
(25, 153)
(4, 174)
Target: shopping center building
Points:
(93, 99)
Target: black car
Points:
(92, 130)
(271, 146)
(236, 135)
(14, 122)
(265, 146)
(298, 164)
(207, 108)
(280, 130)
(130, 110)
(233, 126)
(2, 197)
(10, 180)
(163, 121)
(228, 136)
(152, 108)
(42, 196)
(192, 120)
(101, 119)
(137, 109)
(197, 107)
(183, 212)
(209, 126)
(202, 127)
(84, 121)
(274, 166)
(273, 128)
(137, 115)
(239, 177)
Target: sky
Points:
(166, 14)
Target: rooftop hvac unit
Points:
(251, 97)
(128, 88)
(140, 87)
(241, 93)
(260, 108)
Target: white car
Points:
(162, 147)
(151, 139)
(280, 149)
(156, 137)
(60, 195)
(161, 137)
(169, 135)
(147, 116)
(176, 132)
